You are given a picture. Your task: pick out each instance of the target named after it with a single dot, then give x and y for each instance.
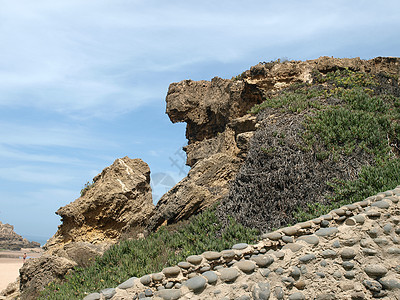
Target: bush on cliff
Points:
(319, 146)
(149, 255)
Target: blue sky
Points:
(84, 82)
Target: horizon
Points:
(85, 83)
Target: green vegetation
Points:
(347, 114)
(144, 256)
(88, 186)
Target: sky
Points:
(83, 83)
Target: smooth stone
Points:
(323, 263)
(171, 271)
(159, 288)
(329, 253)
(381, 204)
(304, 225)
(148, 292)
(263, 261)
(169, 294)
(348, 253)
(108, 293)
(279, 254)
(228, 254)
(246, 266)
(390, 284)
(92, 296)
(295, 272)
(205, 269)
(381, 241)
(216, 268)
(372, 285)
(273, 236)
(387, 228)
(363, 203)
(184, 265)
(393, 250)
(145, 280)
(127, 284)
(170, 284)
(347, 265)
(292, 230)
(375, 270)
(287, 239)
(292, 247)
(303, 269)
(279, 294)
(265, 272)
(307, 258)
(350, 274)
(310, 239)
(397, 230)
(263, 250)
(394, 199)
(336, 244)
(337, 274)
(351, 206)
(359, 218)
(369, 251)
(262, 291)
(297, 296)
(196, 284)
(325, 223)
(157, 276)
(339, 211)
(326, 231)
(341, 219)
(212, 255)
(350, 222)
(327, 217)
(194, 259)
(316, 221)
(320, 274)
(211, 277)
(240, 246)
(279, 271)
(178, 285)
(373, 214)
(300, 285)
(228, 274)
(373, 232)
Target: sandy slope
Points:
(11, 262)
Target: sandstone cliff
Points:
(9, 240)
(118, 202)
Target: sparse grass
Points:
(144, 256)
(87, 187)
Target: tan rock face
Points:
(216, 113)
(119, 200)
(11, 241)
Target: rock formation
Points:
(118, 202)
(219, 128)
(9, 240)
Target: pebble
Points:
(273, 236)
(387, 228)
(359, 219)
(168, 294)
(157, 276)
(195, 259)
(212, 255)
(171, 271)
(287, 239)
(375, 270)
(184, 265)
(92, 296)
(350, 274)
(228, 254)
(339, 211)
(292, 230)
(320, 274)
(228, 274)
(351, 241)
(246, 266)
(279, 294)
(393, 250)
(381, 204)
(287, 281)
(329, 253)
(381, 241)
(170, 284)
(145, 280)
(310, 239)
(325, 223)
(326, 231)
(108, 293)
(307, 258)
(263, 261)
(148, 292)
(265, 272)
(240, 246)
(348, 253)
(323, 263)
(336, 244)
(373, 232)
(127, 284)
(211, 277)
(372, 285)
(297, 296)
(347, 265)
(390, 284)
(327, 218)
(261, 291)
(279, 271)
(369, 251)
(196, 284)
(300, 285)
(373, 214)
(292, 247)
(295, 272)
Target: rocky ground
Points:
(9, 240)
(351, 253)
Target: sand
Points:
(11, 262)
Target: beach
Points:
(11, 262)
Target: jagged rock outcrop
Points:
(218, 123)
(9, 240)
(118, 202)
